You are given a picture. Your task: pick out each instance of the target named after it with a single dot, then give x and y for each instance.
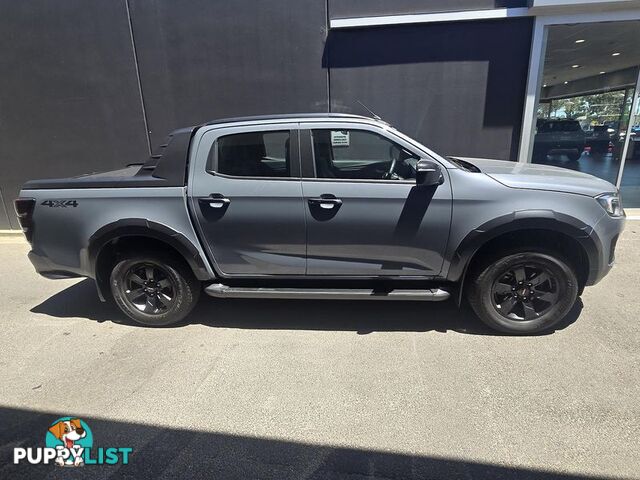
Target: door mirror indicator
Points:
(428, 173)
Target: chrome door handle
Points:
(326, 203)
(219, 202)
(215, 200)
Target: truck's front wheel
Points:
(523, 293)
(154, 290)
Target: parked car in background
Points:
(559, 137)
(599, 138)
(326, 206)
(634, 144)
(634, 141)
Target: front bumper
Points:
(605, 234)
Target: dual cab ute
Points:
(325, 206)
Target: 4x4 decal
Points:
(60, 203)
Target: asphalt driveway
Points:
(323, 389)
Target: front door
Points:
(365, 214)
(247, 197)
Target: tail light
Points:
(24, 209)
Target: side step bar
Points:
(224, 291)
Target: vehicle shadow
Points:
(81, 301)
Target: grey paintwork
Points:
(262, 231)
(542, 177)
(479, 199)
(385, 227)
(61, 235)
(389, 229)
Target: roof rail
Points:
(285, 116)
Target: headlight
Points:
(611, 203)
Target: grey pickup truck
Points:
(329, 206)
(559, 137)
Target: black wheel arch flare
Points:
(140, 227)
(464, 252)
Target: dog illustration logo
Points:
(70, 437)
(69, 443)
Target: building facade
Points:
(91, 85)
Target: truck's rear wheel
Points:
(523, 293)
(154, 290)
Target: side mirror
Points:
(428, 173)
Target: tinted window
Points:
(358, 154)
(254, 154)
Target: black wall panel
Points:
(69, 102)
(366, 8)
(459, 87)
(202, 59)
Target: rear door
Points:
(246, 194)
(366, 216)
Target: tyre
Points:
(154, 290)
(523, 293)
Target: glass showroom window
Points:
(585, 102)
(630, 180)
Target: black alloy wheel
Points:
(156, 289)
(149, 288)
(525, 292)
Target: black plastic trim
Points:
(519, 221)
(294, 153)
(172, 165)
(90, 181)
(129, 227)
(306, 155)
(59, 274)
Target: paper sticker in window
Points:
(339, 138)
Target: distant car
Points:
(559, 137)
(600, 138)
(634, 137)
(634, 145)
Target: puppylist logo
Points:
(69, 443)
